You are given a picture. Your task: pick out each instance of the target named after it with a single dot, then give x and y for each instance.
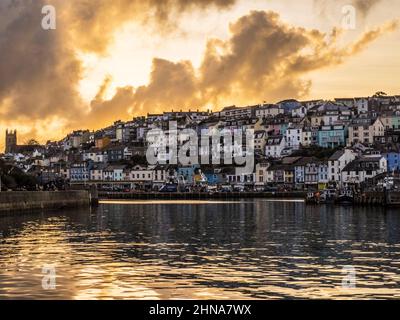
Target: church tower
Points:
(11, 141)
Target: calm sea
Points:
(250, 249)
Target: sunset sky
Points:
(110, 60)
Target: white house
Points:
(95, 155)
(275, 146)
(114, 173)
(366, 167)
(139, 174)
(337, 162)
(300, 111)
(240, 178)
(96, 172)
(160, 174)
(361, 104)
(294, 135)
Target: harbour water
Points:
(249, 249)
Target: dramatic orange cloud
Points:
(263, 58)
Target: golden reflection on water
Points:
(191, 202)
(97, 257)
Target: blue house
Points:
(332, 136)
(393, 160)
(187, 173)
(217, 176)
(284, 127)
(80, 171)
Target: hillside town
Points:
(299, 145)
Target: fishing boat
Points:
(311, 198)
(346, 197)
(328, 196)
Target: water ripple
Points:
(234, 250)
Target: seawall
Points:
(200, 196)
(16, 201)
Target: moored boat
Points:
(346, 197)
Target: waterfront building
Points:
(114, 172)
(299, 170)
(238, 178)
(262, 173)
(323, 175)
(306, 171)
(160, 174)
(187, 173)
(367, 167)
(139, 174)
(96, 172)
(337, 162)
(393, 161)
(80, 171)
(214, 176)
(281, 174)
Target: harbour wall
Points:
(391, 199)
(365, 199)
(199, 195)
(16, 201)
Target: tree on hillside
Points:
(380, 94)
(32, 142)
